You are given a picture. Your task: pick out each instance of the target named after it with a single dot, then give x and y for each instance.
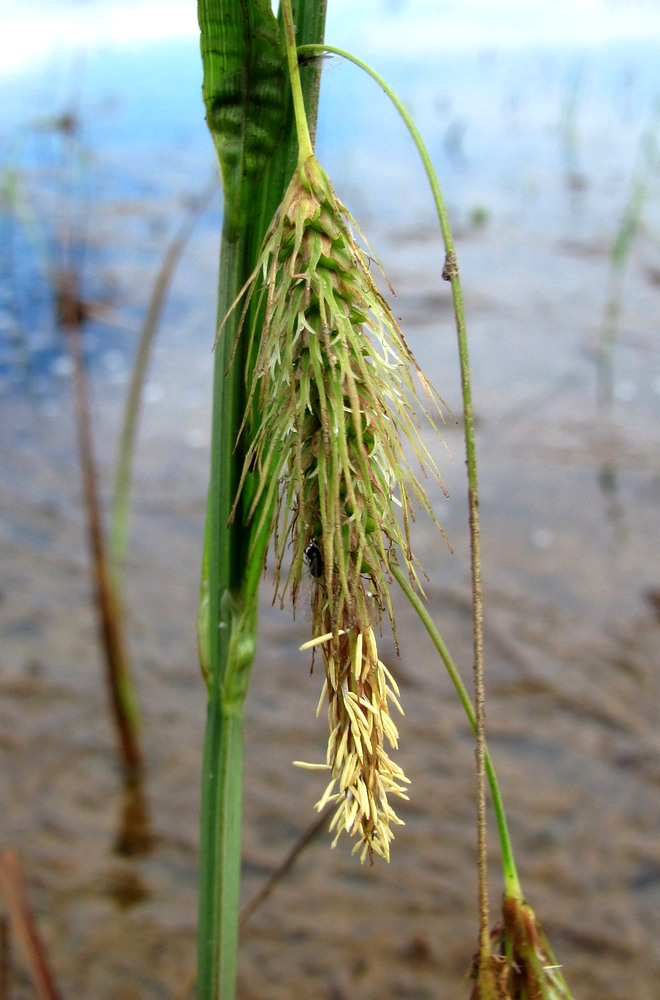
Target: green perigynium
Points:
(330, 399)
(523, 966)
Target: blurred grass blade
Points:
(121, 689)
(647, 162)
(123, 471)
(12, 885)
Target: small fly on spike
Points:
(314, 558)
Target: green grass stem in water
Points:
(119, 526)
(250, 118)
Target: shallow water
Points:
(538, 151)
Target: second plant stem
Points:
(451, 274)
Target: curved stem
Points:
(511, 881)
(450, 273)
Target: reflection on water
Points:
(569, 507)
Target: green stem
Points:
(123, 470)
(304, 142)
(450, 273)
(220, 818)
(511, 881)
(251, 120)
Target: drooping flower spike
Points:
(358, 687)
(330, 410)
(332, 389)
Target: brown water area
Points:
(569, 504)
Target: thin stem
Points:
(119, 679)
(304, 142)
(629, 226)
(123, 472)
(304, 840)
(511, 881)
(450, 273)
(12, 887)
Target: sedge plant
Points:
(311, 456)
(250, 117)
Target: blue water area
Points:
(505, 126)
(493, 118)
(539, 143)
(97, 193)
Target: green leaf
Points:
(243, 88)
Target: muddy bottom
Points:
(569, 494)
(572, 723)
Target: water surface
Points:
(538, 146)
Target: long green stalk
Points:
(511, 881)
(450, 273)
(305, 148)
(251, 120)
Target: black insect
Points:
(314, 558)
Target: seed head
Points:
(330, 403)
(331, 394)
(358, 687)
